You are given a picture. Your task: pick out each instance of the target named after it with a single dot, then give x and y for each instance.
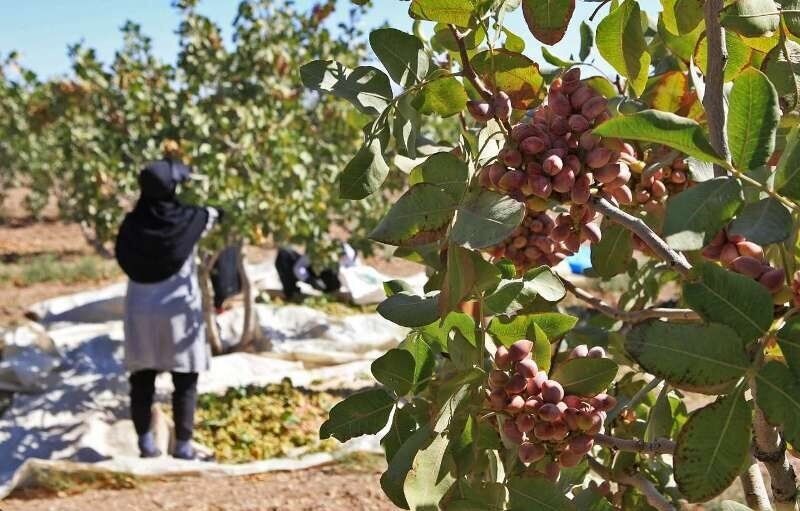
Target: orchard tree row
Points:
(267, 151)
(680, 168)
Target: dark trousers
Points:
(327, 281)
(184, 401)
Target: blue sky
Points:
(42, 29)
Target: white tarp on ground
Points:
(71, 387)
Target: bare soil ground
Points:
(23, 241)
(327, 488)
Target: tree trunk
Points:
(209, 315)
(251, 330)
(92, 239)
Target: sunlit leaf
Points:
(548, 19)
(665, 128)
(443, 96)
(621, 42)
(751, 18)
(402, 54)
(752, 120)
(430, 476)
(457, 12)
(513, 73)
(739, 55)
(585, 376)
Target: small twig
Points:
(635, 316)
(634, 400)
(764, 188)
(637, 226)
(773, 13)
(647, 488)
(659, 163)
(659, 446)
(468, 71)
(597, 9)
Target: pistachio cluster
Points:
(551, 428)
(653, 187)
(745, 257)
(552, 154)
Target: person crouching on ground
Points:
(164, 329)
(292, 267)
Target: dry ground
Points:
(327, 488)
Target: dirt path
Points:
(329, 488)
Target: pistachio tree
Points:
(668, 142)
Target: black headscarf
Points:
(157, 237)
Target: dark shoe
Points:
(147, 446)
(150, 453)
(191, 454)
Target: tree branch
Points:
(714, 99)
(91, 238)
(755, 492)
(634, 400)
(209, 317)
(647, 488)
(770, 449)
(630, 316)
(659, 446)
(637, 226)
(466, 66)
(766, 189)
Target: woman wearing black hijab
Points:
(164, 328)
